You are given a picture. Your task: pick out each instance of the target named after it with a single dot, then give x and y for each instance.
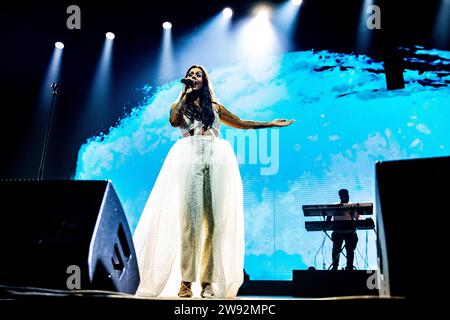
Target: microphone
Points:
(187, 82)
(55, 86)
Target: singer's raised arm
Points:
(176, 112)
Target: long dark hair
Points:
(205, 114)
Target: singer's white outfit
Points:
(192, 226)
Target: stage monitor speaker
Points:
(65, 235)
(412, 225)
(332, 283)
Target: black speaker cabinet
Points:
(55, 232)
(413, 216)
(332, 283)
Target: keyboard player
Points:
(340, 236)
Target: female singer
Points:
(193, 218)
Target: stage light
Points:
(209, 43)
(296, 2)
(110, 35)
(263, 13)
(166, 65)
(53, 74)
(167, 25)
(284, 18)
(256, 36)
(227, 13)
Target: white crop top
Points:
(190, 127)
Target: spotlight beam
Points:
(100, 91)
(53, 74)
(442, 25)
(364, 34)
(166, 65)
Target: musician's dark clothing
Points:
(351, 240)
(349, 236)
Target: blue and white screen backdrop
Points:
(345, 122)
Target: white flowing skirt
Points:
(158, 234)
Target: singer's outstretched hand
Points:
(281, 122)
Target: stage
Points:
(291, 154)
(241, 307)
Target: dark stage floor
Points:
(246, 307)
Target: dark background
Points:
(30, 30)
